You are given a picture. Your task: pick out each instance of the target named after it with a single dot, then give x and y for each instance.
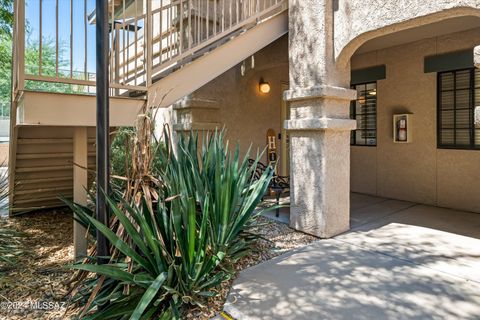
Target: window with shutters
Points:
(458, 92)
(364, 110)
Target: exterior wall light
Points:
(264, 86)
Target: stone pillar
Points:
(80, 182)
(319, 125)
(196, 113)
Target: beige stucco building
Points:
(401, 75)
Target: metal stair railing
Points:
(177, 31)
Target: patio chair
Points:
(278, 185)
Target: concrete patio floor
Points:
(400, 260)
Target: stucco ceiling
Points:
(423, 32)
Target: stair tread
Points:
(43, 140)
(40, 180)
(41, 190)
(30, 200)
(24, 156)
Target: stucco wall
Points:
(244, 111)
(417, 171)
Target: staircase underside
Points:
(41, 145)
(44, 166)
(57, 109)
(223, 56)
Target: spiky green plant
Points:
(10, 243)
(176, 254)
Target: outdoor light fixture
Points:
(264, 86)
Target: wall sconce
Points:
(264, 86)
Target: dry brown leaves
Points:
(38, 275)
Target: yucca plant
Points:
(172, 255)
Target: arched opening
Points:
(364, 36)
(417, 89)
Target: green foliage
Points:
(5, 72)
(32, 67)
(178, 253)
(6, 17)
(10, 247)
(31, 61)
(48, 66)
(121, 153)
(10, 243)
(121, 159)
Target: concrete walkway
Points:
(399, 261)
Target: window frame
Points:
(353, 116)
(471, 108)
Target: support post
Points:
(149, 41)
(20, 52)
(80, 182)
(103, 124)
(319, 125)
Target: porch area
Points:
(400, 260)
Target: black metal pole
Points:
(103, 134)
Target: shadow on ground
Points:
(399, 261)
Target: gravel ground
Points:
(39, 276)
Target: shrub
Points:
(173, 254)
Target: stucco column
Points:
(319, 125)
(80, 182)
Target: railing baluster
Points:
(215, 17)
(230, 13)
(167, 33)
(124, 54)
(180, 34)
(197, 15)
(85, 40)
(116, 48)
(223, 15)
(71, 39)
(148, 42)
(15, 49)
(56, 38)
(113, 51)
(160, 34)
(136, 41)
(181, 27)
(128, 49)
(21, 44)
(207, 19)
(190, 29)
(40, 38)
